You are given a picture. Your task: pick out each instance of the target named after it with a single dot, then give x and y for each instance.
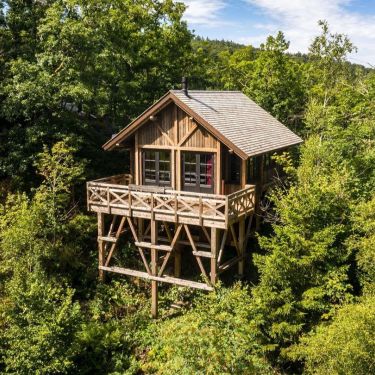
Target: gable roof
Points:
(230, 116)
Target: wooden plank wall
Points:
(176, 125)
(172, 129)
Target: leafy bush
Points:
(41, 322)
(344, 346)
(215, 337)
(116, 318)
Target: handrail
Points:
(173, 204)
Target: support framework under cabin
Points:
(199, 162)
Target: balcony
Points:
(117, 195)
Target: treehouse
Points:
(199, 163)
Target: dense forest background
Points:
(74, 72)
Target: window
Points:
(234, 169)
(253, 169)
(198, 172)
(156, 167)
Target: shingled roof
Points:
(232, 116)
(240, 120)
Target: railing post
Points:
(152, 207)
(175, 208)
(88, 196)
(226, 211)
(130, 202)
(108, 203)
(200, 211)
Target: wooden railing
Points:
(114, 195)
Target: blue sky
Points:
(251, 21)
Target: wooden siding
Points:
(173, 127)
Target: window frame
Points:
(157, 161)
(197, 186)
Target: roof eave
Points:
(139, 121)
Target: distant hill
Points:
(212, 47)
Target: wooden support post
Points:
(154, 269)
(101, 245)
(177, 261)
(214, 253)
(241, 245)
(136, 160)
(243, 173)
(258, 193)
(218, 170)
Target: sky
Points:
(251, 21)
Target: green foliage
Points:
(73, 72)
(215, 337)
(328, 63)
(74, 68)
(41, 322)
(304, 271)
(363, 242)
(274, 81)
(344, 346)
(116, 319)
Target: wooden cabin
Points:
(199, 162)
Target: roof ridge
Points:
(210, 91)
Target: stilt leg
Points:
(154, 270)
(101, 246)
(214, 253)
(177, 261)
(241, 244)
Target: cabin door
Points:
(198, 172)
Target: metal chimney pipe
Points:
(185, 85)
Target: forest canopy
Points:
(72, 73)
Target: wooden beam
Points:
(114, 245)
(131, 226)
(136, 160)
(165, 135)
(214, 254)
(163, 279)
(222, 246)
(195, 250)
(172, 246)
(188, 135)
(101, 246)
(241, 244)
(243, 173)
(218, 169)
(154, 269)
(178, 169)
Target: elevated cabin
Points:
(199, 162)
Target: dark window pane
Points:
(206, 169)
(157, 167)
(190, 171)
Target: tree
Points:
(306, 271)
(215, 337)
(328, 63)
(363, 244)
(346, 345)
(90, 68)
(41, 323)
(275, 81)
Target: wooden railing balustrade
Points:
(116, 195)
